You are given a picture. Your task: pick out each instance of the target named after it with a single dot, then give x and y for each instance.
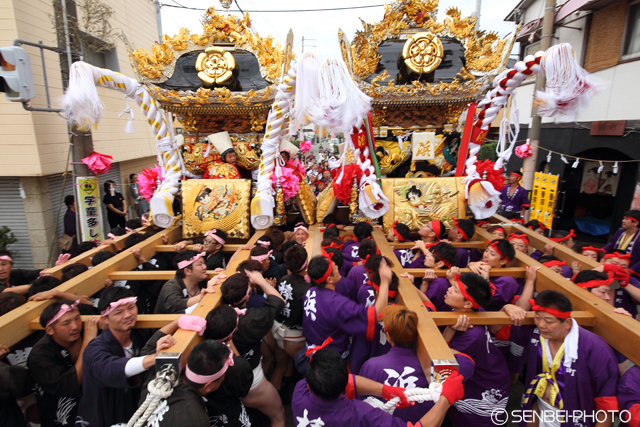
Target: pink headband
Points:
(215, 237)
(238, 312)
(64, 309)
(6, 258)
(130, 230)
(301, 227)
(114, 305)
(187, 263)
(111, 235)
(263, 243)
(204, 379)
(261, 257)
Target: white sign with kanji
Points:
(89, 209)
(423, 145)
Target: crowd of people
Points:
(323, 333)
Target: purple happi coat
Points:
(350, 251)
(629, 396)
(516, 201)
(310, 410)
(633, 248)
(506, 289)
(588, 385)
(436, 292)
(330, 314)
(488, 389)
(465, 256)
(624, 300)
(400, 367)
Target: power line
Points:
(276, 11)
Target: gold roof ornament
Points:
(215, 66)
(422, 52)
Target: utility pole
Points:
(478, 9)
(530, 163)
(158, 20)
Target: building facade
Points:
(605, 35)
(35, 145)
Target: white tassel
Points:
(576, 163)
(615, 168)
(564, 159)
(81, 101)
(208, 150)
(549, 157)
(128, 128)
(601, 167)
(22, 192)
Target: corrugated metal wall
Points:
(56, 188)
(12, 215)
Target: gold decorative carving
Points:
(415, 201)
(215, 66)
(390, 155)
(189, 123)
(379, 117)
(217, 28)
(422, 52)
(216, 203)
(453, 113)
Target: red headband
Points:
(592, 248)
(500, 228)
(396, 232)
(479, 222)
(455, 222)
(554, 263)
(465, 294)
(334, 245)
(326, 275)
(522, 237)
(391, 293)
(435, 226)
(446, 263)
(562, 239)
(540, 225)
(312, 350)
(617, 255)
(516, 174)
(552, 311)
(631, 218)
(327, 227)
(596, 283)
(494, 245)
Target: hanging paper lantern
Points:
(524, 151)
(98, 163)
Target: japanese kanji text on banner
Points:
(89, 210)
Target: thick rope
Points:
(419, 395)
(160, 388)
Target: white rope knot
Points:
(418, 395)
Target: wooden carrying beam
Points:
(229, 247)
(518, 272)
(186, 340)
(472, 244)
(15, 325)
(145, 321)
(85, 257)
(441, 318)
(620, 332)
(150, 275)
(433, 351)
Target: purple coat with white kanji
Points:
(400, 367)
(589, 384)
(350, 251)
(330, 314)
(633, 248)
(310, 410)
(514, 203)
(488, 389)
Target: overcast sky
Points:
(320, 29)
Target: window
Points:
(631, 46)
(99, 53)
